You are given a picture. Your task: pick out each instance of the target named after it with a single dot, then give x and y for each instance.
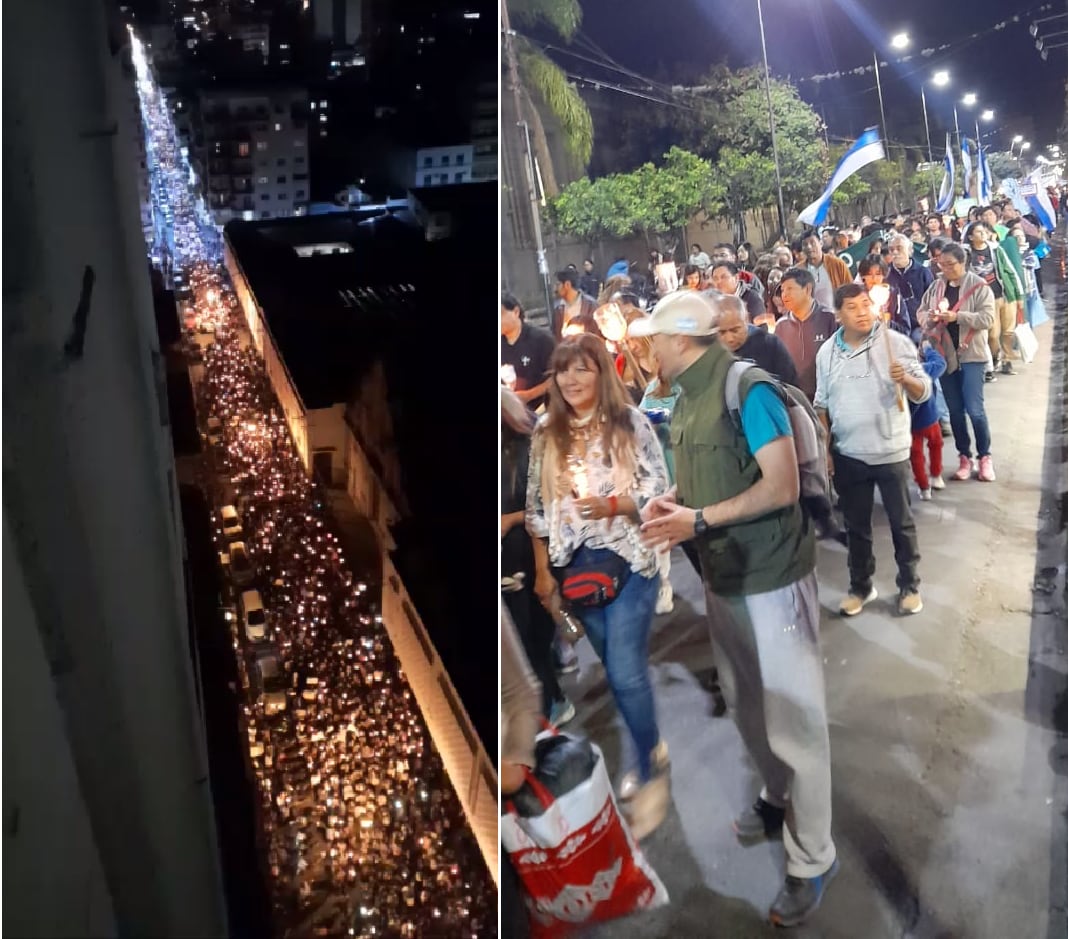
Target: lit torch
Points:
(880, 296)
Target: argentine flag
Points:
(949, 180)
(866, 149)
(1040, 202)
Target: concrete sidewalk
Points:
(949, 773)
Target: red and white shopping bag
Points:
(577, 861)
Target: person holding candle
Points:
(595, 462)
(860, 376)
(960, 307)
(525, 354)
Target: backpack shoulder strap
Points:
(732, 392)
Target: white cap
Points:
(680, 313)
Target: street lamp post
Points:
(940, 79)
(771, 122)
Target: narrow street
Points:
(949, 775)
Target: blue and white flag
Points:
(866, 149)
(1040, 202)
(986, 184)
(949, 180)
(966, 166)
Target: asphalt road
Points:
(950, 763)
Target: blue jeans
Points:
(619, 634)
(964, 397)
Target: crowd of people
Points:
(361, 830)
(671, 411)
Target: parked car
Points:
(254, 616)
(241, 570)
(231, 523)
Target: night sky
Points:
(810, 37)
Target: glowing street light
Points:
(940, 78)
(1018, 138)
(969, 99)
(900, 41)
(987, 115)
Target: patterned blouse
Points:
(560, 521)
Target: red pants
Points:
(933, 436)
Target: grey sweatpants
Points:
(771, 669)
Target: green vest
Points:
(713, 464)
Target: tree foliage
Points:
(654, 201)
(547, 83)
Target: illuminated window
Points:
(263, 180)
(261, 145)
(322, 118)
(277, 127)
(322, 104)
(242, 149)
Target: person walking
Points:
(805, 328)
(956, 313)
(861, 375)
(595, 462)
(737, 496)
(926, 432)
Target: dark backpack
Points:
(810, 440)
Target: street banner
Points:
(867, 148)
(1041, 204)
(949, 181)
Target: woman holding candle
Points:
(595, 462)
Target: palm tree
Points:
(542, 86)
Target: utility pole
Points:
(771, 123)
(528, 158)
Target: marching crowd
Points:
(361, 832)
(741, 406)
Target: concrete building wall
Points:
(327, 433)
(470, 770)
(50, 852)
(367, 493)
(441, 166)
(89, 493)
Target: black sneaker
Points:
(762, 821)
(990, 377)
(800, 897)
(1006, 368)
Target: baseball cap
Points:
(680, 313)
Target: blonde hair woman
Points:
(595, 462)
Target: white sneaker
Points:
(665, 599)
(925, 495)
(937, 482)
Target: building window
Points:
(322, 104)
(299, 194)
(242, 149)
(263, 180)
(281, 180)
(298, 160)
(458, 177)
(459, 159)
(322, 118)
(277, 126)
(445, 159)
(265, 214)
(266, 197)
(299, 142)
(428, 161)
(281, 161)
(443, 177)
(313, 105)
(426, 180)
(261, 145)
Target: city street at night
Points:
(361, 832)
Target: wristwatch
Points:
(700, 526)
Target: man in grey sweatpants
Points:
(738, 499)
